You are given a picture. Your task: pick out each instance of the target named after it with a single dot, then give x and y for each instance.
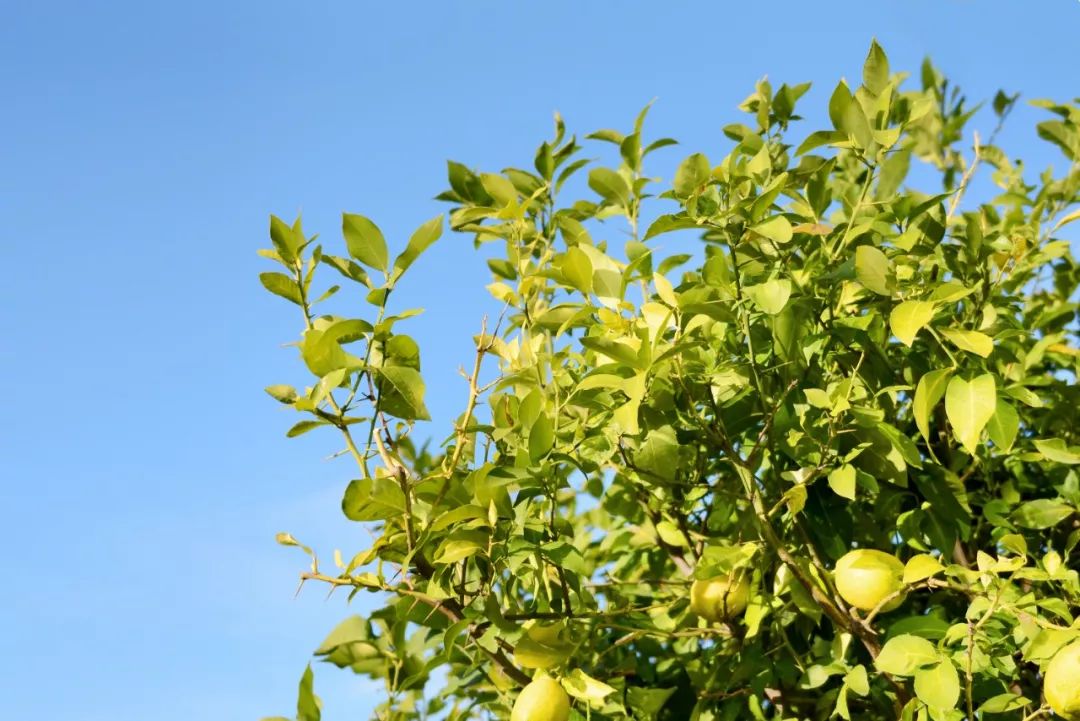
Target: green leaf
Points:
(402, 393)
(283, 285)
(854, 123)
(668, 223)
(929, 391)
(308, 705)
(365, 241)
(565, 555)
(322, 351)
(610, 185)
(908, 318)
(818, 138)
(920, 567)
(659, 454)
(970, 340)
(349, 269)
(969, 406)
(420, 241)
(282, 393)
(770, 296)
(1064, 135)
(284, 239)
(776, 229)
(1055, 451)
(1042, 513)
(842, 481)
(459, 545)
(578, 270)
(373, 499)
(585, 688)
(876, 69)
(938, 686)
(530, 653)
(856, 680)
(903, 655)
(647, 701)
(541, 438)
(1004, 425)
(873, 270)
(1003, 703)
(303, 427)
(692, 174)
(838, 104)
(614, 349)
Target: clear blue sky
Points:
(142, 146)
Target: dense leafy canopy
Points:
(838, 360)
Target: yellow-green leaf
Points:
(842, 481)
(770, 296)
(584, 687)
(938, 686)
(908, 318)
(873, 270)
(1003, 425)
(928, 393)
(970, 340)
(776, 229)
(921, 567)
(970, 405)
(1055, 450)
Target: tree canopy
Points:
(743, 374)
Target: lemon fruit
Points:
(1061, 684)
(720, 597)
(866, 577)
(542, 700)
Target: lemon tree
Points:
(791, 434)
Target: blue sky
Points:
(144, 144)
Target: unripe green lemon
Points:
(1061, 684)
(542, 700)
(865, 577)
(719, 598)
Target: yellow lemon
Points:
(865, 577)
(719, 598)
(542, 700)
(1061, 684)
